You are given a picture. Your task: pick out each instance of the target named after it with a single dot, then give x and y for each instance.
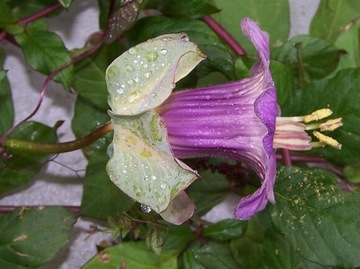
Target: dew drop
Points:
(153, 177)
(153, 95)
(129, 67)
(134, 96)
(228, 95)
(145, 208)
(145, 65)
(185, 38)
(161, 199)
(163, 51)
(112, 71)
(147, 74)
(124, 171)
(207, 97)
(163, 185)
(120, 91)
(136, 79)
(132, 51)
(151, 56)
(129, 82)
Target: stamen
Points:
(286, 125)
(331, 125)
(291, 132)
(318, 115)
(293, 119)
(327, 140)
(317, 144)
(313, 126)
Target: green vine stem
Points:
(29, 146)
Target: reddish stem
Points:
(286, 157)
(224, 35)
(48, 80)
(42, 13)
(3, 35)
(304, 159)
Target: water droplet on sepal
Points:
(145, 208)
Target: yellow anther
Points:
(318, 115)
(331, 125)
(326, 140)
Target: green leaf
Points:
(319, 56)
(332, 16)
(350, 42)
(352, 173)
(21, 166)
(278, 253)
(188, 9)
(225, 230)
(213, 78)
(31, 237)
(101, 198)
(187, 260)
(8, 20)
(88, 117)
(65, 3)
(262, 246)
(274, 19)
(44, 51)
(89, 81)
(341, 95)
(210, 255)
(6, 15)
(209, 191)
(143, 77)
(24, 9)
(177, 237)
(142, 164)
(133, 255)
(219, 56)
(6, 104)
(283, 77)
(154, 240)
(319, 220)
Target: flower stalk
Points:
(30, 146)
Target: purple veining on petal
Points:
(235, 120)
(266, 108)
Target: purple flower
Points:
(238, 120)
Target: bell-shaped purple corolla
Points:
(238, 120)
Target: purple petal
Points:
(266, 108)
(234, 120)
(257, 201)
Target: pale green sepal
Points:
(180, 209)
(142, 164)
(143, 77)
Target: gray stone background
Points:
(58, 183)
